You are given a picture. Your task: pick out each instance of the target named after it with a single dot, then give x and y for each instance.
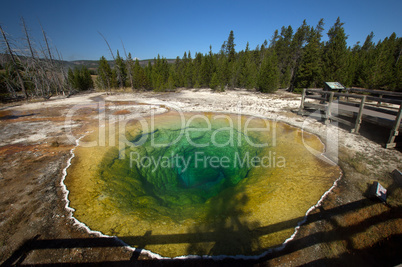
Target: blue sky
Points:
(169, 28)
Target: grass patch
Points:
(357, 161)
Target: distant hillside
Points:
(90, 64)
(94, 64)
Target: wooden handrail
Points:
(328, 96)
(376, 92)
(349, 95)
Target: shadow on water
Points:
(226, 222)
(224, 230)
(230, 229)
(13, 115)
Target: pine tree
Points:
(230, 47)
(130, 67)
(336, 54)
(205, 72)
(171, 81)
(188, 71)
(364, 64)
(268, 77)
(87, 82)
(138, 76)
(3, 86)
(214, 83)
(352, 66)
(121, 72)
(242, 66)
(384, 63)
(178, 78)
(398, 75)
(160, 73)
(197, 63)
(297, 47)
(274, 39)
(148, 74)
(105, 75)
(70, 78)
(80, 78)
(309, 73)
(114, 82)
(283, 49)
(252, 74)
(398, 66)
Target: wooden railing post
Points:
(359, 116)
(328, 111)
(379, 102)
(303, 98)
(395, 130)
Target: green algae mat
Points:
(198, 183)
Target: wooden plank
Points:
(378, 121)
(357, 90)
(390, 145)
(367, 111)
(315, 115)
(372, 98)
(316, 97)
(397, 177)
(313, 90)
(395, 130)
(382, 110)
(343, 121)
(328, 111)
(359, 116)
(349, 95)
(352, 104)
(314, 106)
(379, 102)
(302, 101)
(377, 92)
(384, 100)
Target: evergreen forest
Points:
(291, 59)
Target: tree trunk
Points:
(21, 81)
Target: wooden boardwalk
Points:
(382, 108)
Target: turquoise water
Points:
(187, 170)
(210, 186)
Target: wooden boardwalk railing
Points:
(379, 107)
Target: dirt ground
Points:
(37, 137)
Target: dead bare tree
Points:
(36, 72)
(63, 73)
(111, 52)
(28, 39)
(33, 63)
(46, 74)
(55, 79)
(118, 70)
(9, 81)
(50, 58)
(39, 72)
(15, 62)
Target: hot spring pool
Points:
(198, 184)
